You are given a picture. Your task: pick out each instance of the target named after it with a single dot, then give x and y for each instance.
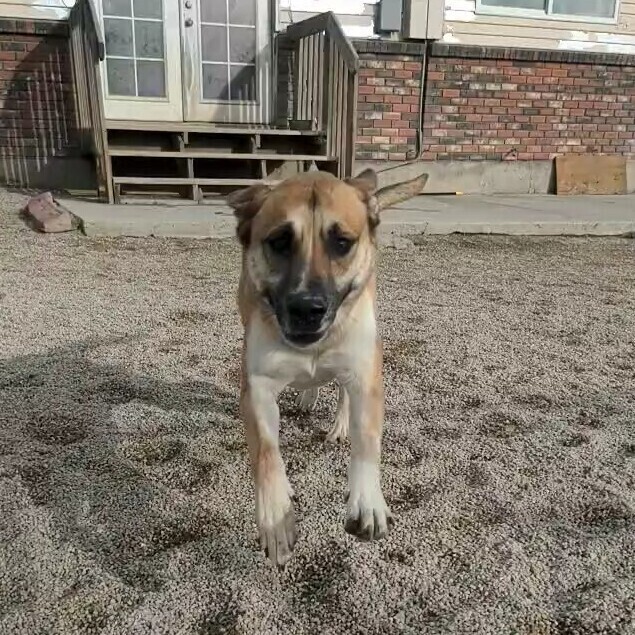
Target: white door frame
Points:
(195, 107)
(168, 108)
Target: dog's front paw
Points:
(276, 526)
(368, 516)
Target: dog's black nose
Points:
(306, 310)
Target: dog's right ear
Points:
(246, 204)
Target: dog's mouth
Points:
(301, 329)
(304, 339)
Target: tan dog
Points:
(307, 303)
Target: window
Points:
(583, 10)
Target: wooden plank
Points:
(203, 128)
(319, 89)
(315, 24)
(326, 87)
(590, 174)
(204, 154)
(151, 180)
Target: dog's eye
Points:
(281, 242)
(342, 245)
(338, 243)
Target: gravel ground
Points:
(509, 455)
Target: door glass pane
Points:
(118, 34)
(132, 40)
(214, 43)
(215, 81)
(214, 11)
(148, 9)
(243, 83)
(150, 79)
(242, 12)
(117, 7)
(242, 45)
(121, 78)
(540, 5)
(231, 43)
(148, 39)
(590, 8)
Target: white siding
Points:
(356, 16)
(35, 9)
(463, 25)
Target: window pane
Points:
(150, 79)
(214, 11)
(118, 34)
(242, 12)
(591, 8)
(539, 5)
(116, 7)
(148, 39)
(215, 81)
(148, 9)
(243, 83)
(120, 77)
(214, 43)
(242, 45)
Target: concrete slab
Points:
(537, 215)
(161, 220)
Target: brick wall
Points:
(388, 107)
(527, 110)
(37, 112)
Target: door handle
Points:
(188, 4)
(188, 22)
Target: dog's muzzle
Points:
(306, 317)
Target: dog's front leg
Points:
(274, 510)
(368, 516)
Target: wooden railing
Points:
(87, 50)
(317, 84)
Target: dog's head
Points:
(309, 246)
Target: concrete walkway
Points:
(526, 215)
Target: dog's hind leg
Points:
(307, 399)
(339, 431)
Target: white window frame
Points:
(546, 14)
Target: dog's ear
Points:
(246, 204)
(366, 184)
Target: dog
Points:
(307, 304)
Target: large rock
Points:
(45, 215)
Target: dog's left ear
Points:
(246, 204)
(366, 184)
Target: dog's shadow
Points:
(104, 453)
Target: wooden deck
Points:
(315, 113)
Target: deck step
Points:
(206, 128)
(160, 180)
(206, 154)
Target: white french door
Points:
(187, 60)
(226, 61)
(141, 75)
